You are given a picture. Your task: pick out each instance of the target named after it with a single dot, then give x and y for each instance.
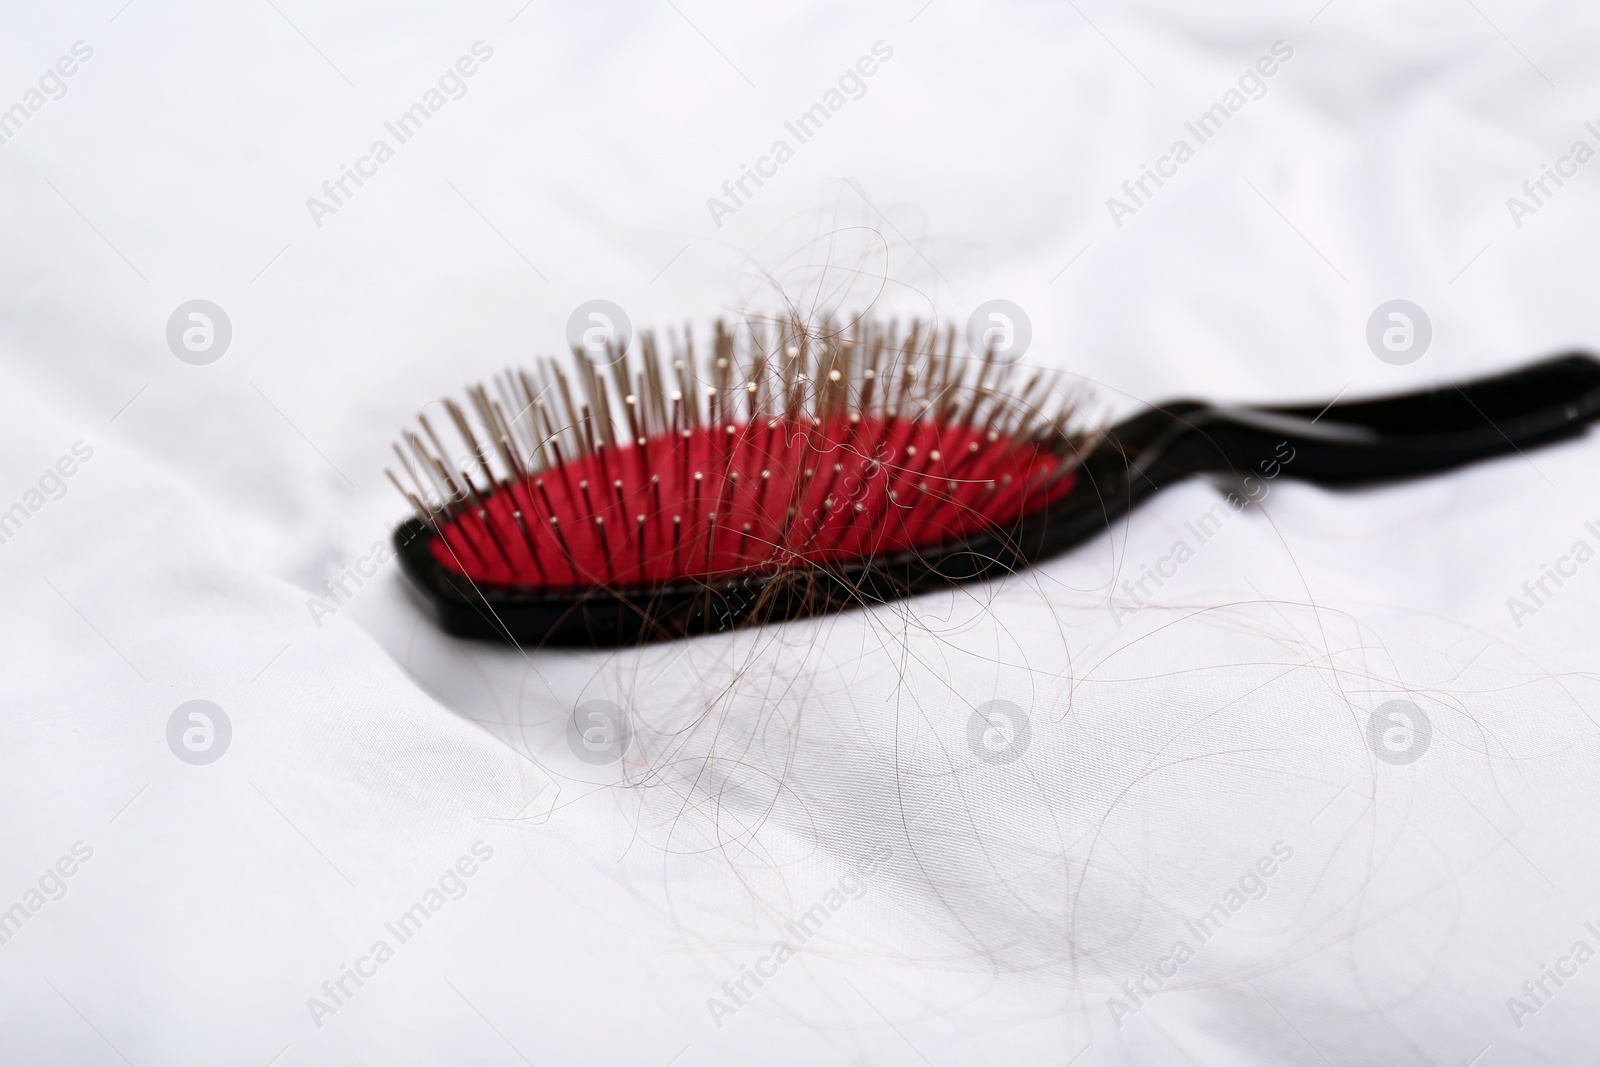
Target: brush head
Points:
(793, 456)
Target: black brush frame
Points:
(1348, 444)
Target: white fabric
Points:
(1005, 905)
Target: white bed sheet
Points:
(972, 912)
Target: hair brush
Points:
(803, 469)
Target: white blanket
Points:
(1205, 851)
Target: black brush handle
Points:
(1365, 441)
